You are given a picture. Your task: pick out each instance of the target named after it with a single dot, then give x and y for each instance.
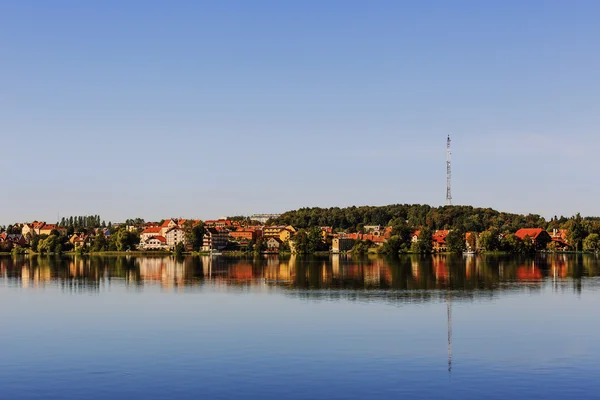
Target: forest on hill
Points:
(463, 218)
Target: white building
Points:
(155, 243)
(174, 236)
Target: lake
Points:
(300, 328)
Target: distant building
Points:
(262, 218)
(341, 244)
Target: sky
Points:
(202, 109)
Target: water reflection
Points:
(423, 275)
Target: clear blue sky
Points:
(202, 109)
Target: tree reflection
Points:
(416, 277)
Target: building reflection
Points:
(410, 273)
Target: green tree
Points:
(401, 229)
(392, 246)
(488, 240)
(552, 246)
(179, 249)
(576, 232)
(424, 243)
(591, 242)
(300, 240)
(260, 245)
(455, 241)
(48, 244)
(34, 243)
(194, 234)
(315, 240)
(99, 243)
(360, 247)
(512, 243)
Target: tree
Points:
(401, 229)
(592, 242)
(552, 246)
(392, 246)
(455, 241)
(179, 249)
(314, 240)
(34, 242)
(300, 240)
(48, 244)
(260, 245)
(123, 240)
(423, 244)
(488, 240)
(194, 235)
(576, 232)
(100, 243)
(511, 243)
(360, 247)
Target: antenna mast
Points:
(448, 175)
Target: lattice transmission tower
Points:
(448, 175)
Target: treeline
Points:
(462, 218)
(120, 240)
(82, 221)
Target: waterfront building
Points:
(539, 237)
(340, 244)
(174, 236)
(215, 239)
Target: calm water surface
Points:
(300, 328)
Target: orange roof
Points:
(531, 232)
(152, 229)
(49, 227)
(159, 238)
(166, 223)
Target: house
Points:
(150, 232)
(560, 239)
(538, 236)
(48, 228)
(340, 244)
(215, 239)
(273, 245)
(438, 240)
(166, 225)
(284, 233)
(32, 229)
(155, 243)
(174, 236)
(414, 237)
(16, 239)
(471, 241)
(372, 228)
(218, 223)
(376, 239)
(249, 234)
(80, 240)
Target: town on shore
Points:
(385, 230)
